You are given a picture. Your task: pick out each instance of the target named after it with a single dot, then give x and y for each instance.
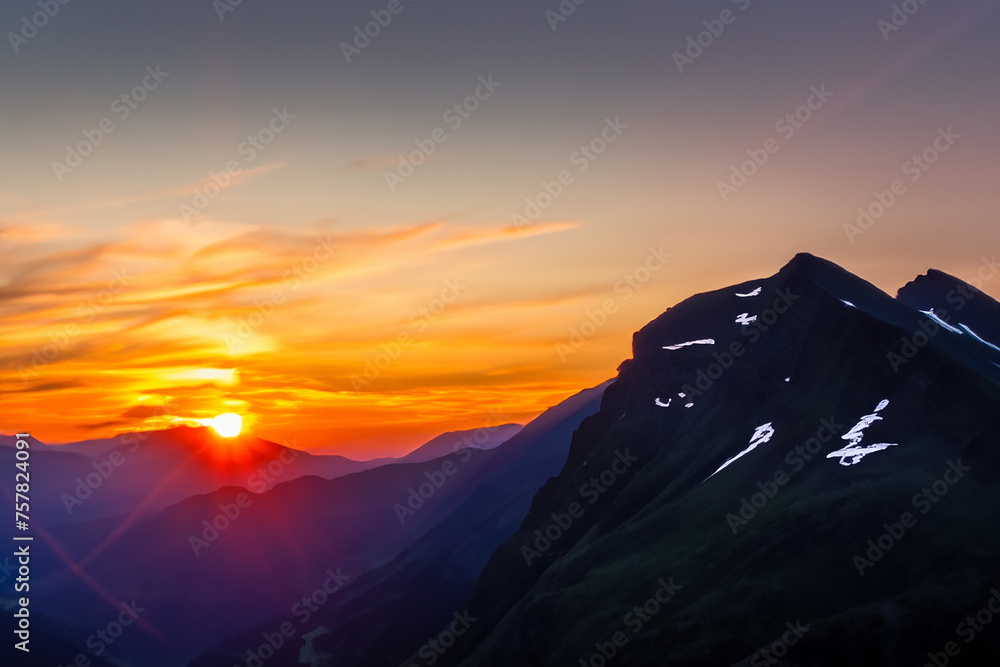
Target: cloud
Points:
(504, 234)
(320, 299)
(45, 386)
(142, 411)
(242, 177)
(35, 232)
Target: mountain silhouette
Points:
(796, 470)
(734, 492)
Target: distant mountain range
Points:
(795, 470)
(147, 471)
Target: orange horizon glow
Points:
(352, 357)
(329, 376)
(343, 314)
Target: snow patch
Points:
(689, 405)
(746, 318)
(662, 404)
(788, 379)
(930, 314)
(854, 452)
(847, 303)
(753, 293)
(703, 341)
(977, 337)
(760, 435)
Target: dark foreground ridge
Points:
(781, 552)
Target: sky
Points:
(357, 241)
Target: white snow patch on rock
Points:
(930, 314)
(979, 338)
(760, 435)
(854, 452)
(703, 341)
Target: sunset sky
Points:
(240, 237)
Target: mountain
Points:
(796, 470)
(391, 608)
(146, 471)
(799, 470)
(446, 443)
(215, 564)
(975, 313)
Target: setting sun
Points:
(227, 425)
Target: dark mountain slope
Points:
(392, 610)
(563, 583)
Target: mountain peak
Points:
(813, 267)
(934, 280)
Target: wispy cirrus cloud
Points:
(503, 234)
(239, 178)
(162, 332)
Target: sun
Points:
(227, 425)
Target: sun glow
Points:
(227, 425)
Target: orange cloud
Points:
(155, 313)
